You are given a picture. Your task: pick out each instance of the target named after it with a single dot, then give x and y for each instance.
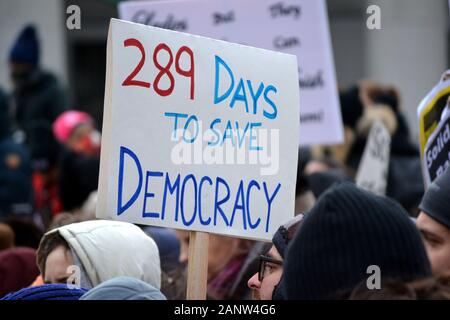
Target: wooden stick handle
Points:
(197, 265)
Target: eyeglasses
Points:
(263, 263)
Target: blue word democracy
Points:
(174, 191)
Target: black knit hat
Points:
(347, 231)
(285, 233)
(436, 200)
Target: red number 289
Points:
(163, 70)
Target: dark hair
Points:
(174, 283)
(430, 288)
(49, 243)
(433, 288)
(6, 236)
(390, 290)
(63, 219)
(27, 233)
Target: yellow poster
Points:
(430, 110)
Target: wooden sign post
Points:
(197, 265)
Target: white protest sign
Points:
(373, 169)
(198, 134)
(297, 27)
(437, 150)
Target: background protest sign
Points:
(198, 134)
(437, 150)
(297, 27)
(373, 170)
(430, 109)
(432, 119)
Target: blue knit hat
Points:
(26, 47)
(47, 292)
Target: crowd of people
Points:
(343, 243)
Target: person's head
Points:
(270, 271)
(17, 269)
(221, 250)
(124, 288)
(430, 288)
(433, 222)
(64, 219)
(348, 231)
(24, 57)
(101, 250)
(174, 283)
(264, 282)
(76, 130)
(54, 259)
(390, 290)
(26, 232)
(168, 246)
(433, 288)
(372, 93)
(6, 237)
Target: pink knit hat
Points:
(67, 122)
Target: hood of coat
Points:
(124, 288)
(109, 249)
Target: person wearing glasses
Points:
(264, 282)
